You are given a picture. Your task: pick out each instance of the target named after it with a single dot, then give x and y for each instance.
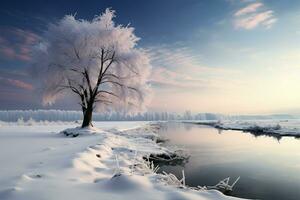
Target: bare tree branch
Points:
(107, 92)
(107, 75)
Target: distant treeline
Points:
(67, 115)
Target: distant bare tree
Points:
(95, 60)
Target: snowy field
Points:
(38, 163)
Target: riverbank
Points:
(275, 128)
(38, 163)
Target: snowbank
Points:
(37, 163)
(280, 128)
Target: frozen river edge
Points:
(106, 163)
(274, 128)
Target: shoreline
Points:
(252, 129)
(106, 165)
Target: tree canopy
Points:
(96, 60)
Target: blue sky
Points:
(226, 56)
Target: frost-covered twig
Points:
(224, 185)
(171, 179)
(150, 166)
(144, 166)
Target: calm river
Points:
(269, 168)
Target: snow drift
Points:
(38, 163)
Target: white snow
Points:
(38, 163)
(289, 127)
(275, 127)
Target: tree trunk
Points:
(87, 117)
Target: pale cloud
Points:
(16, 83)
(254, 15)
(265, 19)
(248, 9)
(20, 84)
(16, 44)
(180, 68)
(172, 79)
(269, 23)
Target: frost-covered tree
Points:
(96, 60)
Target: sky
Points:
(220, 56)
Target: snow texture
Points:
(280, 128)
(40, 163)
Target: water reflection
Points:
(269, 167)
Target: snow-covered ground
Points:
(289, 127)
(37, 163)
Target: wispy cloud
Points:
(172, 79)
(254, 15)
(248, 9)
(180, 68)
(20, 84)
(265, 19)
(167, 62)
(16, 83)
(181, 81)
(15, 43)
